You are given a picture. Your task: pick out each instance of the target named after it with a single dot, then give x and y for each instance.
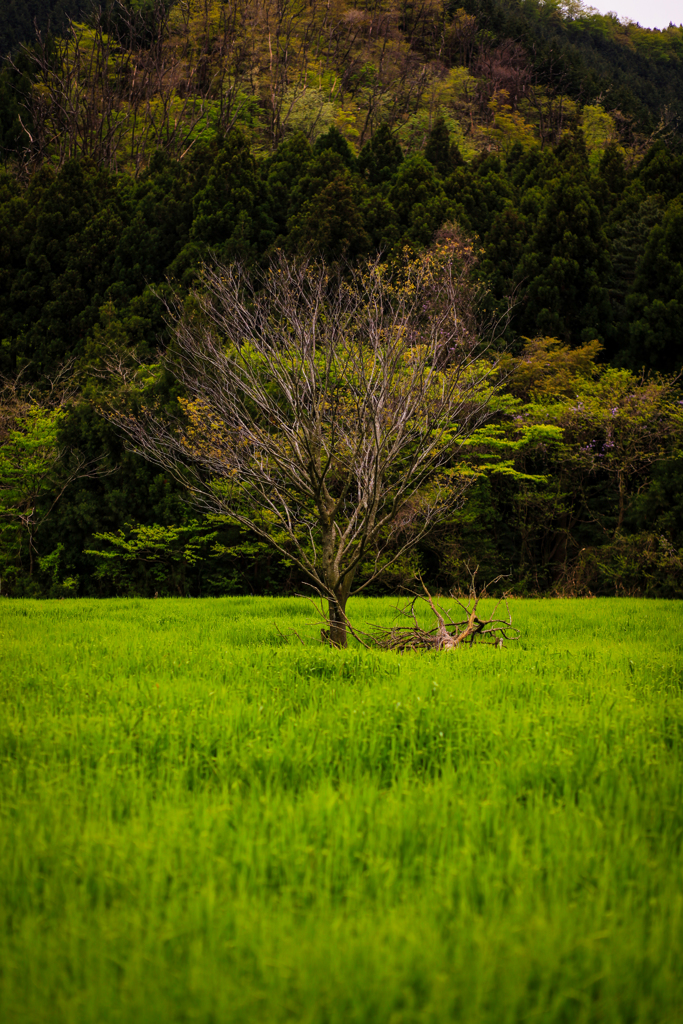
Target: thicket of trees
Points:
(160, 136)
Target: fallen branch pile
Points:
(449, 634)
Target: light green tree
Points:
(35, 471)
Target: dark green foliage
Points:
(564, 265)
(380, 157)
(441, 152)
(661, 171)
(282, 172)
(14, 87)
(655, 304)
(613, 170)
(588, 249)
(420, 202)
(589, 57)
(225, 219)
(480, 191)
(330, 223)
(19, 19)
(58, 260)
(659, 509)
(333, 141)
(628, 229)
(158, 217)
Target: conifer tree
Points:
(420, 201)
(381, 157)
(661, 171)
(70, 231)
(281, 172)
(656, 303)
(566, 260)
(334, 140)
(226, 208)
(331, 223)
(441, 152)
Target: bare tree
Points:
(132, 81)
(324, 412)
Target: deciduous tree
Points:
(324, 414)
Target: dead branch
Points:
(449, 633)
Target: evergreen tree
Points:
(331, 224)
(226, 210)
(158, 211)
(613, 170)
(380, 220)
(441, 152)
(14, 88)
(58, 263)
(502, 250)
(480, 191)
(334, 140)
(325, 205)
(655, 305)
(564, 266)
(661, 171)
(281, 173)
(628, 230)
(380, 157)
(420, 202)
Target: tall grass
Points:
(202, 823)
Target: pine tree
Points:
(564, 266)
(420, 201)
(655, 305)
(225, 209)
(441, 152)
(381, 157)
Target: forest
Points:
(147, 139)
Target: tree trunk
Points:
(337, 617)
(622, 503)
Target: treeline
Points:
(588, 249)
(374, 60)
(341, 132)
(584, 493)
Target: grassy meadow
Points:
(202, 822)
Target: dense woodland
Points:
(147, 138)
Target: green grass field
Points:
(202, 823)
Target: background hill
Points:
(542, 140)
(513, 45)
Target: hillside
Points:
(135, 77)
(382, 58)
(634, 72)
